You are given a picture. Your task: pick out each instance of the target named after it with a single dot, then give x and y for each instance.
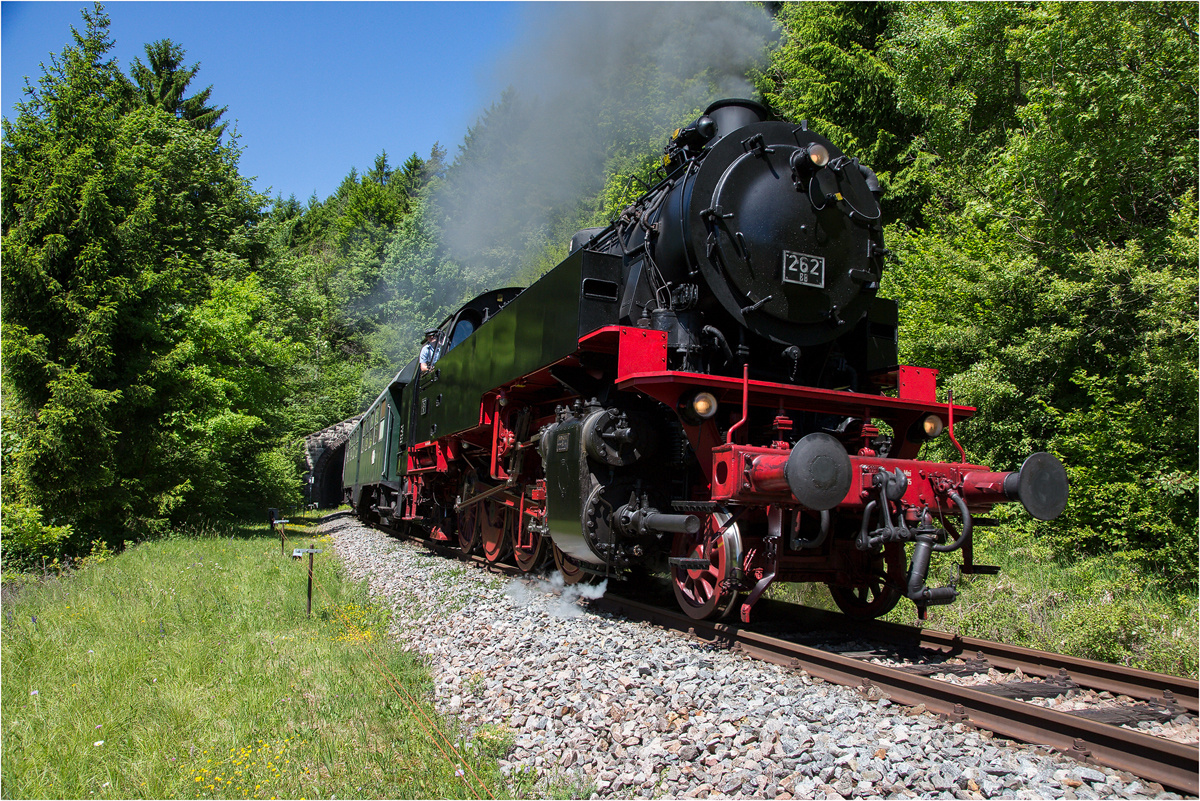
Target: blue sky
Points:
(313, 87)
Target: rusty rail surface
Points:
(1142, 685)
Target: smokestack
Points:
(734, 113)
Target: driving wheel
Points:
(532, 554)
(704, 568)
(468, 516)
(572, 573)
(493, 530)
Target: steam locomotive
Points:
(707, 388)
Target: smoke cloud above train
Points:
(588, 84)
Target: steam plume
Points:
(565, 605)
(589, 85)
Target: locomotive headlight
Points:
(925, 428)
(818, 155)
(704, 405)
(933, 426)
(698, 407)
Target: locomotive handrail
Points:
(745, 404)
(950, 405)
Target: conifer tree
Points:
(164, 81)
(142, 377)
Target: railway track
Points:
(1090, 736)
(1169, 763)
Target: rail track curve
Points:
(1172, 764)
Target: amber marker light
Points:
(818, 155)
(701, 406)
(933, 426)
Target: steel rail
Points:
(1166, 762)
(1169, 763)
(1142, 685)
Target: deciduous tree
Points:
(1055, 279)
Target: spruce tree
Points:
(166, 79)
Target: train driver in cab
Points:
(429, 351)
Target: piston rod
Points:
(642, 520)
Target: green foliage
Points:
(957, 73)
(26, 540)
(164, 82)
(330, 270)
(231, 382)
(145, 370)
(1077, 128)
(1055, 283)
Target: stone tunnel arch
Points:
(325, 454)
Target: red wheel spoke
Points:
(702, 592)
(493, 530)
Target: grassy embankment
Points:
(1097, 608)
(187, 668)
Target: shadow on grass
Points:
(300, 525)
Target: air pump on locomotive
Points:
(698, 389)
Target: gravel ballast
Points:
(609, 708)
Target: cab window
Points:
(464, 329)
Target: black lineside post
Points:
(282, 536)
(312, 550)
(272, 514)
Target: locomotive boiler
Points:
(707, 388)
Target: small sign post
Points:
(296, 554)
(282, 537)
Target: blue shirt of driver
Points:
(427, 351)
